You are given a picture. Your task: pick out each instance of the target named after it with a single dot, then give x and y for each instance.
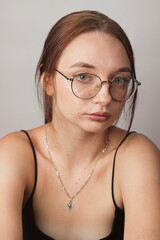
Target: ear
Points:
(47, 83)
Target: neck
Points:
(75, 147)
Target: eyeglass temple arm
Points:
(138, 83)
(70, 79)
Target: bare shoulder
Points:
(141, 141)
(12, 140)
(16, 182)
(139, 180)
(139, 154)
(139, 150)
(137, 161)
(16, 161)
(14, 147)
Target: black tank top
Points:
(31, 231)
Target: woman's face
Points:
(97, 53)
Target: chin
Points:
(96, 128)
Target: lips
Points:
(99, 116)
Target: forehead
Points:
(96, 48)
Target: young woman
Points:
(79, 177)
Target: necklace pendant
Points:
(70, 206)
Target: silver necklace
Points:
(70, 204)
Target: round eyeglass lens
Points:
(122, 88)
(86, 85)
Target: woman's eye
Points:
(83, 77)
(120, 80)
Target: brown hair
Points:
(63, 32)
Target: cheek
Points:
(117, 108)
(62, 90)
(66, 102)
(120, 105)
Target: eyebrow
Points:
(124, 69)
(83, 64)
(86, 65)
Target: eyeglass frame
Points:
(110, 84)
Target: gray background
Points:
(23, 28)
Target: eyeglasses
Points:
(87, 85)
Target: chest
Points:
(93, 211)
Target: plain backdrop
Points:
(24, 26)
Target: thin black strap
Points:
(113, 169)
(35, 162)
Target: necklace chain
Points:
(70, 204)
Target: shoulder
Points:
(16, 182)
(139, 181)
(138, 150)
(139, 172)
(16, 162)
(14, 146)
(135, 153)
(138, 154)
(11, 137)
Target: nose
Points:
(103, 96)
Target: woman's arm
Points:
(13, 183)
(140, 188)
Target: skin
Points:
(75, 141)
